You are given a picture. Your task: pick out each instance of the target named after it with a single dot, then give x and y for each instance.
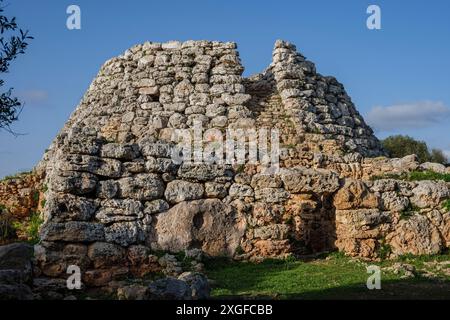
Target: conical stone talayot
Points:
(113, 182)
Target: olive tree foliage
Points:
(13, 42)
(438, 156)
(400, 146)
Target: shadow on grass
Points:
(407, 289)
(324, 279)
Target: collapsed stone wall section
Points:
(397, 216)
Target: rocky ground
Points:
(169, 279)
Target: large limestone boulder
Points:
(430, 193)
(358, 231)
(210, 225)
(431, 166)
(441, 219)
(416, 235)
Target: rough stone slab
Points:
(73, 232)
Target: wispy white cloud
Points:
(33, 96)
(406, 116)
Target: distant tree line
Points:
(399, 146)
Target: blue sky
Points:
(398, 77)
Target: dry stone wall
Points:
(22, 195)
(114, 192)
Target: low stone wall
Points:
(392, 217)
(22, 194)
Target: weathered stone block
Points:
(179, 190)
(301, 180)
(209, 224)
(143, 187)
(73, 232)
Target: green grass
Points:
(186, 262)
(240, 168)
(418, 261)
(389, 176)
(405, 215)
(30, 227)
(384, 251)
(34, 226)
(428, 175)
(415, 176)
(446, 205)
(36, 195)
(336, 277)
(409, 212)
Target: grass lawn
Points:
(332, 277)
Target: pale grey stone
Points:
(429, 193)
(67, 207)
(141, 187)
(124, 233)
(240, 191)
(309, 180)
(271, 195)
(179, 190)
(118, 151)
(79, 183)
(210, 224)
(156, 206)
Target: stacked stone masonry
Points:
(114, 191)
(22, 195)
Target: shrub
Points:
(446, 205)
(400, 146)
(438, 156)
(239, 250)
(7, 230)
(405, 215)
(36, 196)
(409, 212)
(34, 226)
(29, 228)
(384, 251)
